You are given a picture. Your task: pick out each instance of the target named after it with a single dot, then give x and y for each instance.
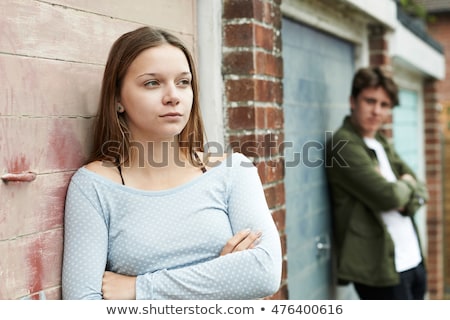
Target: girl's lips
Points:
(171, 114)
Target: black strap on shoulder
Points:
(202, 166)
(120, 172)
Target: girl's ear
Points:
(120, 108)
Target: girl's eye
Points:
(184, 82)
(151, 83)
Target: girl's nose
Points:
(171, 97)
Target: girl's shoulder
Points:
(230, 160)
(105, 169)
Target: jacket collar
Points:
(348, 125)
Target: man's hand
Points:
(409, 178)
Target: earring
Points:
(120, 108)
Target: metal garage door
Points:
(318, 69)
(405, 128)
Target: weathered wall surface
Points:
(52, 55)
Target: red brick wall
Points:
(379, 56)
(440, 30)
(446, 195)
(433, 158)
(253, 72)
(378, 47)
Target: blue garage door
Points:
(318, 69)
(405, 128)
(408, 141)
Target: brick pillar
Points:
(446, 195)
(379, 56)
(440, 30)
(253, 72)
(435, 220)
(378, 47)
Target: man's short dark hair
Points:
(374, 77)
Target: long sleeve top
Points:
(171, 239)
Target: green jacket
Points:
(365, 250)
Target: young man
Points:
(374, 198)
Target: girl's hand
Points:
(243, 240)
(118, 286)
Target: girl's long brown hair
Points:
(111, 134)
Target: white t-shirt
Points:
(401, 229)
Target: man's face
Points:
(370, 110)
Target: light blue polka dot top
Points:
(171, 239)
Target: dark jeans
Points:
(413, 284)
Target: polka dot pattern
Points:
(171, 239)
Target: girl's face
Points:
(157, 94)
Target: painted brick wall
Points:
(253, 71)
(51, 62)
